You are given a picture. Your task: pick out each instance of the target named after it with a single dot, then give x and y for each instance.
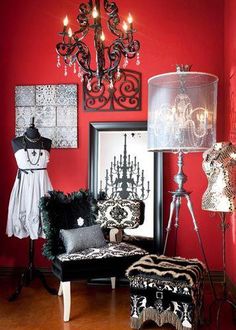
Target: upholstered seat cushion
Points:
(110, 260)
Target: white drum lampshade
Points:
(182, 111)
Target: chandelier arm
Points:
(65, 50)
(115, 52)
(85, 12)
(80, 34)
(82, 55)
(99, 47)
(83, 58)
(113, 27)
(114, 20)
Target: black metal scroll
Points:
(126, 94)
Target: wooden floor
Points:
(94, 307)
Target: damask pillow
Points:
(121, 213)
(83, 238)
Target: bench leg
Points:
(113, 282)
(60, 290)
(66, 300)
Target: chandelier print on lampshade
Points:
(182, 111)
(104, 61)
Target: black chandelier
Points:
(74, 50)
(125, 179)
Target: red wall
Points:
(230, 122)
(183, 31)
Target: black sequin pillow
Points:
(83, 238)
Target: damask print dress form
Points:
(31, 183)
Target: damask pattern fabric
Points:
(119, 213)
(111, 250)
(166, 290)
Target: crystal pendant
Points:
(58, 61)
(138, 60)
(89, 85)
(126, 61)
(80, 74)
(118, 72)
(65, 70)
(111, 84)
(70, 62)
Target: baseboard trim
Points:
(17, 271)
(217, 276)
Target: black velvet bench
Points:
(166, 290)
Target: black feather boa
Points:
(61, 211)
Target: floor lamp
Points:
(219, 164)
(182, 118)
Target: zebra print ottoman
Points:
(166, 290)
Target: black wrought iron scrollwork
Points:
(125, 94)
(74, 50)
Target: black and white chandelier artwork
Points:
(125, 179)
(104, 62)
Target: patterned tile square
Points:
(45, 116)
(66, 137)
(50, 133)
(25, 96)
(66, 94)
(23, 116)
(19, 131)
(66, 116)
(45, 95)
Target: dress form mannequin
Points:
(219, 164)
(32, 182)
(32, 139)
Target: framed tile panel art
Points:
(54, 108)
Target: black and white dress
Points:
(31, 183)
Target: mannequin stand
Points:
(225, 297)
(29, 275)
(180, 178)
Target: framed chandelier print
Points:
(122, 168)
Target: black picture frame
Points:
(94, 130)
